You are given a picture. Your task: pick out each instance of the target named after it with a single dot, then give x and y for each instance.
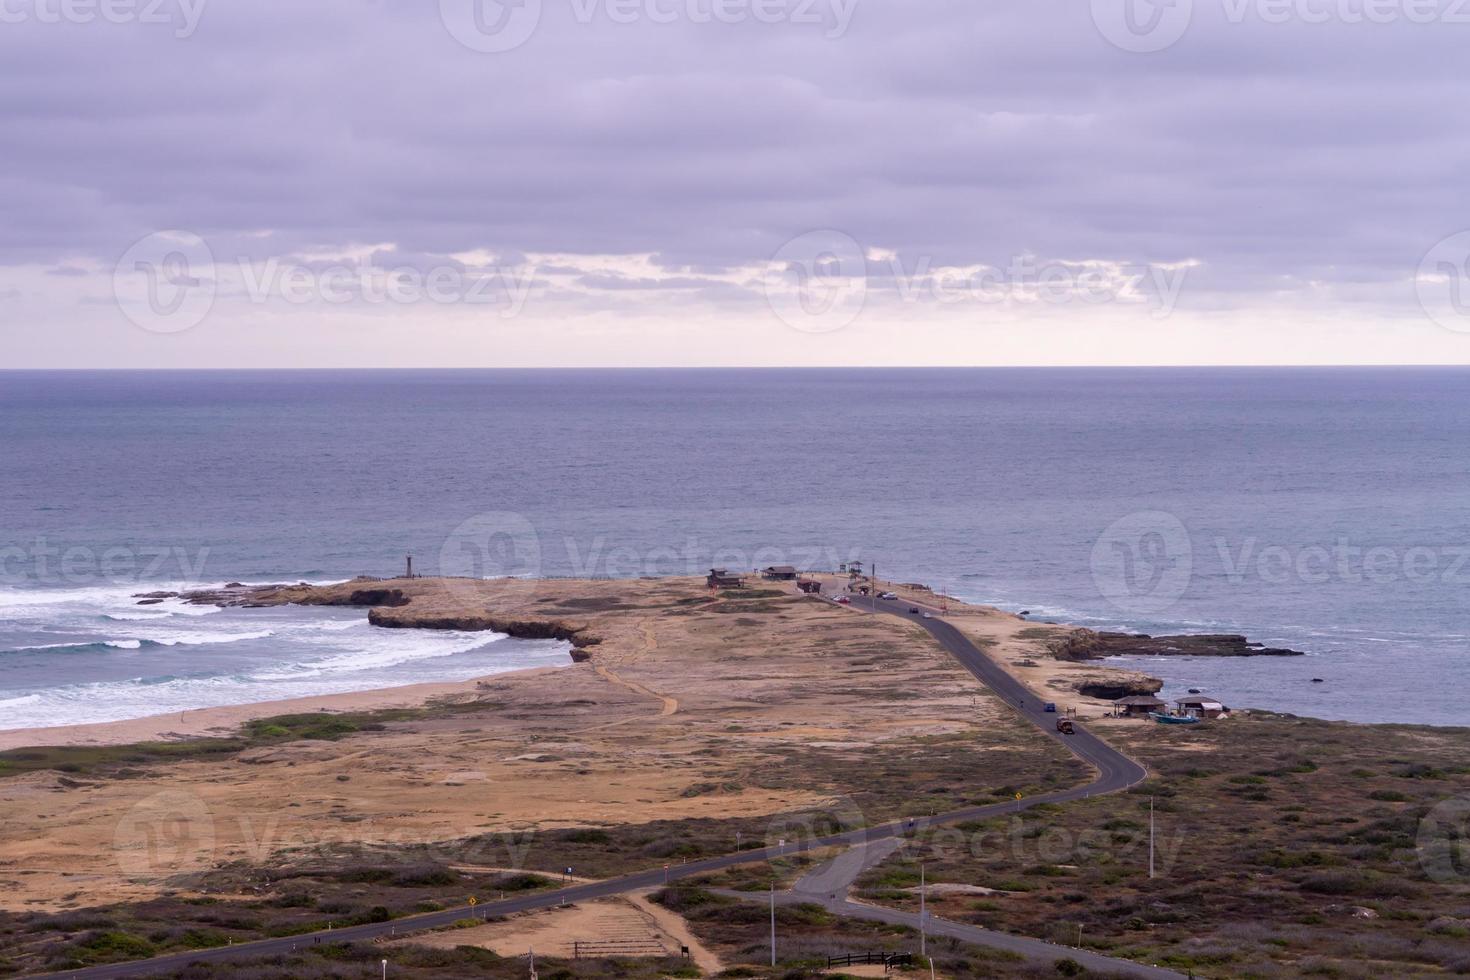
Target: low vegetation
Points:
(1285, 848)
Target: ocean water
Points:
(1323, 509)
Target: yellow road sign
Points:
(1018, 796)
(474, 900)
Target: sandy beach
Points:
(226, 719)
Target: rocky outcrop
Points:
(1118, 684)
(525, 629)
(390, 606)
(1089, 645)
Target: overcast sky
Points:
(611, 182)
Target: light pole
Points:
(923, 914)
(385, 970)
(1150, 836)
(773, 923)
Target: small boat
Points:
(1195, 690)
(1164, 719)
(1318, 680)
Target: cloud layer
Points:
(627, 154)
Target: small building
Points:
(779, 573)
(810, 588)
(1138, 704)
(1200, 707)
(720, 578)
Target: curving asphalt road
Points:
(828, 884)
(1116, 772)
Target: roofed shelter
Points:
(720, 578)
(1138, 704)
(1201, 707)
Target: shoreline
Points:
(223, 720)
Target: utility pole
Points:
(773, 923)
(1150, 836)
(923, 914)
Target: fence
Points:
(886, 960)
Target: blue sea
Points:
(1327, 510)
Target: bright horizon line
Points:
(751, 367)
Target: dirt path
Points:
(650, 644)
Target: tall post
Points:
(923, 914)
(1150, 836)
(773, 923)
(410, 566)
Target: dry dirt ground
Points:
(627, 926)
(685, 695)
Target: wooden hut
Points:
(1138, 704)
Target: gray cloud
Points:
(1275, 155)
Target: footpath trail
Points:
(1115, 773)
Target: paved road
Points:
(827, 885)
(1115, 772)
